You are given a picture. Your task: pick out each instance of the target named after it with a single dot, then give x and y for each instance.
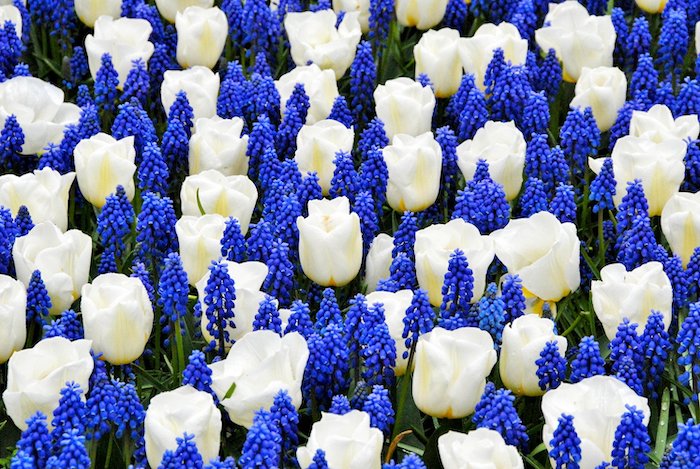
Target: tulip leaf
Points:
(662, 426)
(199, 204)
(229, 393)
(431, 456)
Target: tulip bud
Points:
(260, 365)
(314, 37)
(437, 56)
(596, 405)
(11, 13)
(423, 14)
(89, 11)
(477, 51)
(503, 147)
(317, 146)
(359, 6)
(124, 39)
(13, 316)
(544, 252)
(101, 164)
(658, 125)
(319, 85)
(183, 410)
(118, 317)
(227, 196)
(433, 248)
(450, 371)
(523, 341)
(378, 260)
(651, 6)
(44, 192)
(480, 448)
(35, 377)
(39, 109)
(330, 242)
(680, 222)
(62, 258)
(199, 83)
(579, 39)
(404, 106)
(200, 243)
(218, 144)
(347, 440)
(395, 306)
(201, 35)
(604, 90)
(170, 8)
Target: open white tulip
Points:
(200, 243)
(680, 223)
(437, 55)
(89, 10)
(395, 306)
(423, 14)
(170, 8)
(13, 316)
(378, 260)
(319, 85)
(199, 83)
(218, 144)
(604, 90)
(479, 449)
(404, 106)
(350, 6)
(201, 36)
(658, 125)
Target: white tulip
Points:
(39, 109)
(319, 85)
(477, 51)
(170, 8)
(13, 316)
(200, 243)
(62, 258)
(378, 260)
(697, 38)
(658, 125)
(314, 37)
(317, 145)
(604, 90)
(579, 39)
(201, 36)
(680, 223)
(101, 164)
(651, 6)
(482, 448)
(423, 14)
(395, 306)
(330, 242)
(433, 248)
(260, 365)
(184, 410)
(523, 341)
(44, 192)
(199, 83)
(437, 55)
(118, 317)
(218, 144)
(597, 405)
(35, 377)
(347, 440)
(233, 196)
(404, 106)
(359, 6)
(124, 39)
(503, 147)
(89, 11)
(12, 14)
(450, 371)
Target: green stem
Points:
(180, 349)
(403, 393)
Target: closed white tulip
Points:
(697, 38)
(378, 260)
(35, 377)
(330, 242)
(117, 316)
(544, 252)
(260, 365)
(11, 13)
(404, 106)
(170, 8)
(395, 306)
(651, 6)
(503, 147)
(680, 223)
(415, 165)
(248, 278)
(437, 56)
(314, 37)
(319, 85)
(201, 36)
(450, 371)
(620, 294)
(62, 258)
(348, 441)
(199, 83)
(13, 316)
(89, 11)
(523, 341)
(477, 51)
(101, 164)
(479, 449)
(579, 39)
(317, 145)
(184, 410)
(604, 90)
(658, 125)
(233, 196)
(200, 243)
(44, 192)
(124, 39)
(597, 405)
(39, 109)
(218, 144)
(359, 6)
(423, 14)
(433, 248)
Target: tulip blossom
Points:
(319, 85)
(12, 14)
(437, 56)
(651, 6)
(200, 243)
(170, 8)
(350, 6)
(199, 83)
(395, 305)
(217, 143)
(378, 260)
(13, 316)
(480, 448)
(423, 14)
(658, 125)
(680, 223)
(89, 11)
(404, 106)
(201, 36)
(604, 90)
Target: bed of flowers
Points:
(353, 235)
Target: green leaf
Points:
(229, 393)
(199, 204)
